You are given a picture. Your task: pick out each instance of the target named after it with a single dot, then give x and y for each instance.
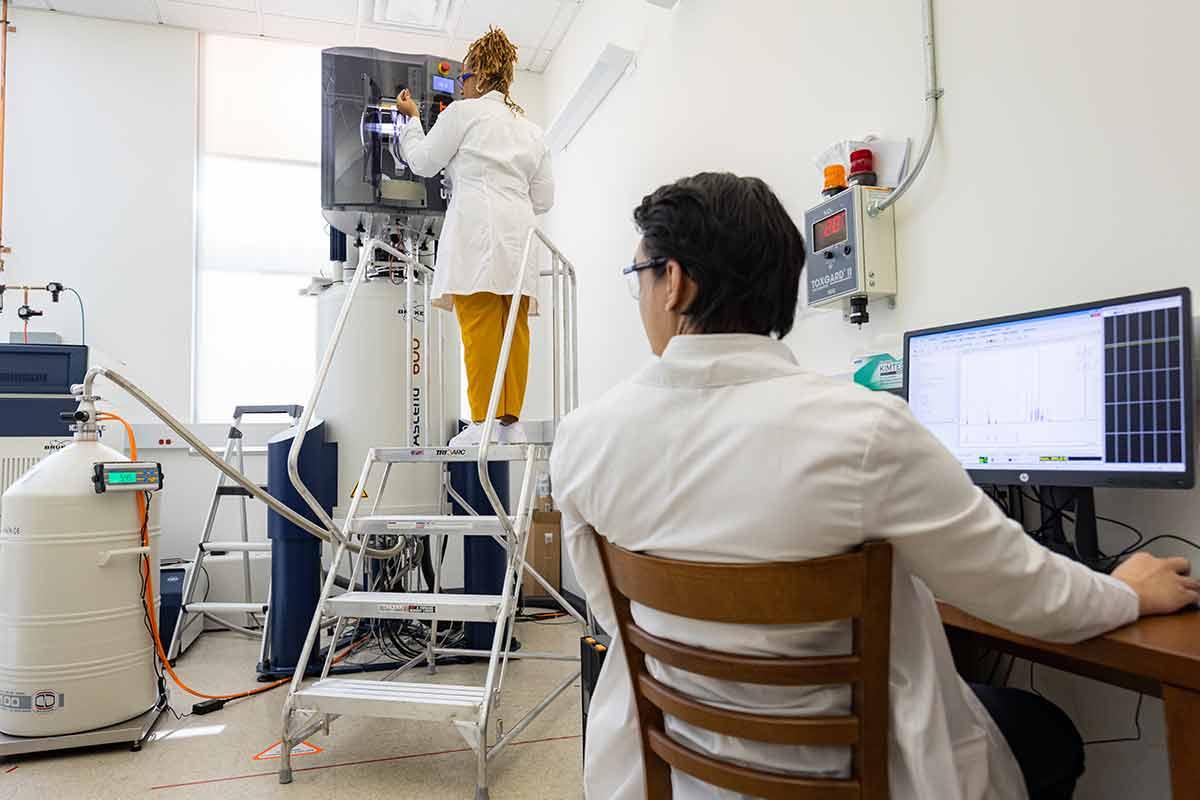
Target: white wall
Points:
(99, 167)
(99, 184)
(99, 193)
(1057, 177)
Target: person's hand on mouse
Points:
(1163, 585)
(406, 105)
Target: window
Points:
(261, 239)
(260, 233)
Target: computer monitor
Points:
(1091, 395)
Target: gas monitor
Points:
(851, 252)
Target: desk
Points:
(1159, 656)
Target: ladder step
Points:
(236, 547)
(417, 701)
(224, 608)
(416, 605)
(500, 452)
(465, 525)
(237, 491)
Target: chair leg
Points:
(658, 776)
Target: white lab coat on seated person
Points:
(725, 450)
(500, 175)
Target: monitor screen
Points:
(445, 85)
(1091, 395)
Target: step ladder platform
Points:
(444, 455)
(225, 608)
(384, 699)
(416, 605)
(463, 525)
(237, 491)
(235, 547)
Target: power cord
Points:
(1143, 545)
(82, 317)
(1137, 726)
(1141, 542)
(1137, 716)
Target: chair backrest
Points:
(856, 586)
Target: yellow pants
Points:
(482, 317)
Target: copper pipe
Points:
(3, 92)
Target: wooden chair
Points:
(856, 586)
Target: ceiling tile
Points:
(208, 19)
(404, 42)
(327, 34)
(525, 21)
(537, 26)
(368, 15)
(236, 5)
(342, 11)
(525, 55)
(133, 10)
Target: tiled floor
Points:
(362, 759)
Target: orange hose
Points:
(149, 598)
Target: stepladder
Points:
(471, 708)
(369, 538)
(256, 614)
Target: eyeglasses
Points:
(631, 274)
(461, 79)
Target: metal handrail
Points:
(560, 268)
(360, 276)
(501, 639)
(562, 315)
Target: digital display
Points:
(122, 477)
(1102, 388)
(829, 231)
(445, 85)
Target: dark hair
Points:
(734, 238)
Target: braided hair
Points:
(491, 57)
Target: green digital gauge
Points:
(127, 476)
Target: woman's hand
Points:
(406, 105)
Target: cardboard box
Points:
(543, 551)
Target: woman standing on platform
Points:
(498, 166)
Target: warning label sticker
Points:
(407, 608)
(299, 749)
(38, 702)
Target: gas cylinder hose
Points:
(331, 534)
(213, 702)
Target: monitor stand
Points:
(1080, 503)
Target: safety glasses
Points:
(631, 274)
(461, 79)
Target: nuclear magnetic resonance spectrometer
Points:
(362, 170)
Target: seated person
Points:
(724, 449)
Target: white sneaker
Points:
(513, 434)
(470, 436)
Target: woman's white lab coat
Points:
(725, 450)
(500, 176)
